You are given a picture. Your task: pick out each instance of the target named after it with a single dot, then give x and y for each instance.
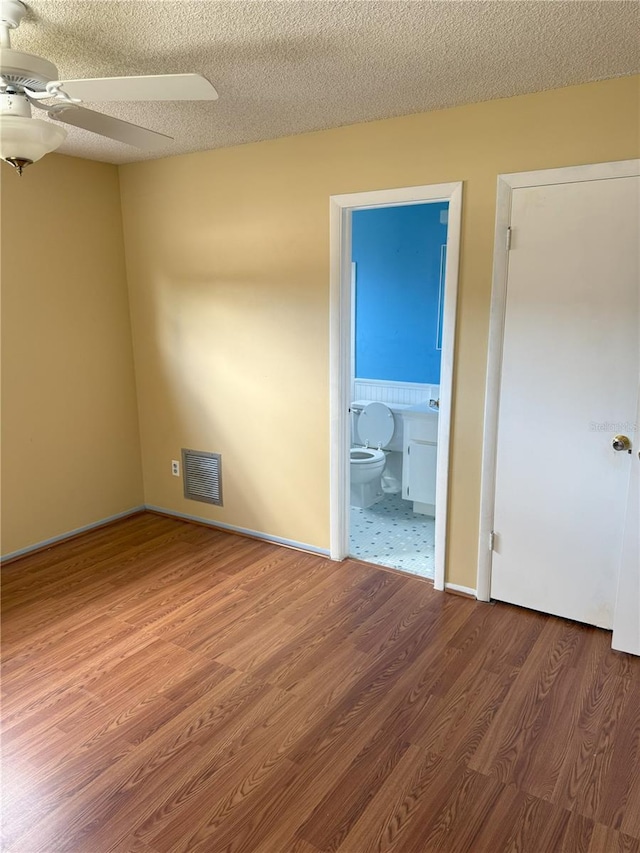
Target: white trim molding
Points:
(171, 513)
(244, 531)
(461, 590)
(70, 534)
(506, 185)
(341, 207)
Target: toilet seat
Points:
(376, 425)
(365, 455)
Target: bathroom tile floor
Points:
(390, 534)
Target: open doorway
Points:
(398, 258)
(411, 390)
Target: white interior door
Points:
(626, 619)
(568, 386)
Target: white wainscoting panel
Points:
(383, 391)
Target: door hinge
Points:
(407, 491)
(508, 238)
(409, 450)
(492, 540)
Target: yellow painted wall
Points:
(70, 439)
(228, 269)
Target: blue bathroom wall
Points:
(398, 311)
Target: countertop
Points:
(421, 410)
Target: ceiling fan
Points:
(28, 81)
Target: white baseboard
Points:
(463, 590)
(255, 534)
(38, 546)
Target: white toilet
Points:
(375, 430)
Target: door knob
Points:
(621, 442)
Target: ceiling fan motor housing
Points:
(20, 70)
(25, 71)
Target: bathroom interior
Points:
(398, 274)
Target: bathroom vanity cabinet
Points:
(419, 458)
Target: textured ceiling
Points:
(282, 68)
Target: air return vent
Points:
(202, 474)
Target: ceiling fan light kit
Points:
(28, 81)
(24, 140)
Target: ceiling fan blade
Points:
(114, 128)
(159, 87)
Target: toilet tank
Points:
(397, 410)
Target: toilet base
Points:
(364, 495)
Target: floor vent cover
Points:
(202, 476)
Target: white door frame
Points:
(341, 207)
(506, 186)
(626, 616)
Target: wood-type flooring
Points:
(168, 687)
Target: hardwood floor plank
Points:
(176, 742)
(200, 804)
(583, 779)
(452, 819)
(536, 825)
(170, 687)
(385, 825)
(619, 793)
(134, 846)
(242, 761)
(294, 846)
(330, 585)
(607, 840)
(336, 813)
(578, 834)
(507, 749)
(332, 678)
(387, 622)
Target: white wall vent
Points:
(202, 474)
